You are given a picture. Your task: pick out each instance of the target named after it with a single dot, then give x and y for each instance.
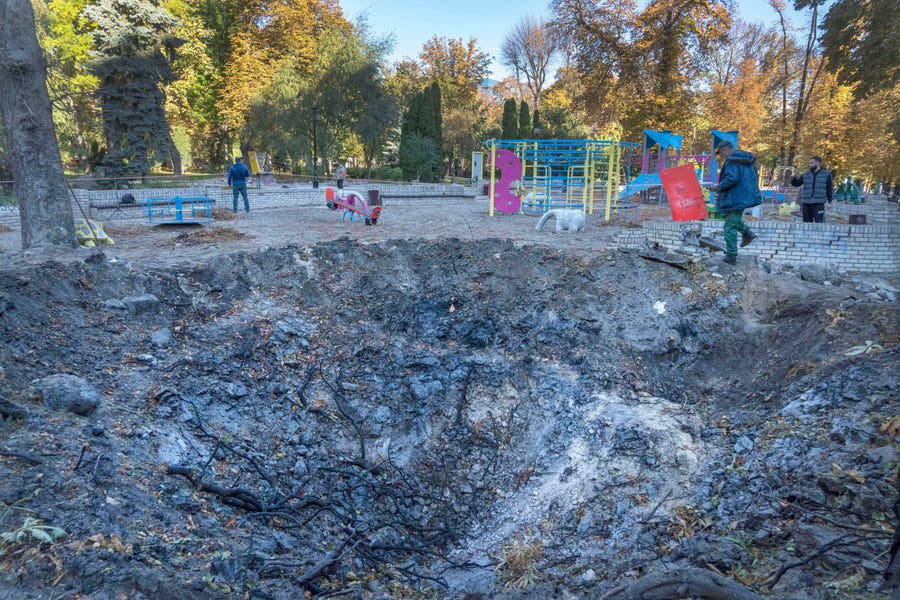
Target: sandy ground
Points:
(141, 242)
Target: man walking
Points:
(736, 191)
(817, 187)
(237, 179)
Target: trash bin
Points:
(374, 198)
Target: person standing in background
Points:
(816, 188)
(237, 179)
(340, 175)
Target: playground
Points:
(608, 176)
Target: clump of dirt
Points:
(413, 419)
(205, 236)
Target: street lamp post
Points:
(315, 143)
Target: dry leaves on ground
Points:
(205, 236)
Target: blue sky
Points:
(413, 22)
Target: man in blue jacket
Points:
(736, 191)
(237, 179)
(817, 188)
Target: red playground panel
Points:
(683, 189)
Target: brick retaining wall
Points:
(844, 248)
(877, 210)
(870, 248)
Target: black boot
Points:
(730, 259)
(747, 237)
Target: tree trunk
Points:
(44, 206)
(177, 167)
(785, 57)
(807, 83)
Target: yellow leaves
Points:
(852, 473)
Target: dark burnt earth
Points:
(411, 418)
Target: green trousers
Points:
(734, 224)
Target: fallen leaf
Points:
(891, 426)
(856, 476)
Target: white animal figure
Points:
(567, 219)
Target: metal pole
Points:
(315, 143)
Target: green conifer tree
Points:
(510, 121)
(423, 120)
(408, 127)
(130, 37)
(524, 122)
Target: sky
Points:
(413, 22)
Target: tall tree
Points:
(75, 112)
(44, 207)
(672, 41)
(422, 121)
(459, 139)
(193, 98)
(132, 49)
(634, 66)
(375, 125)
(739, 77)
(812, 63)
(269, 38)
(457, 67)
(432, 123)
(595, 36)
(861, 41)
(510, 121)
(524, 121)
(529, 49)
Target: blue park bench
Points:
(174, 210)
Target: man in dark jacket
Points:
(237, 179)
(817, 188)
(736, 191)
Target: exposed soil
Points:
(442, 405)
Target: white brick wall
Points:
(845, 248)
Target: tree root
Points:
(234, 496)
(686, 583)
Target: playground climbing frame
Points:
(540, 175)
